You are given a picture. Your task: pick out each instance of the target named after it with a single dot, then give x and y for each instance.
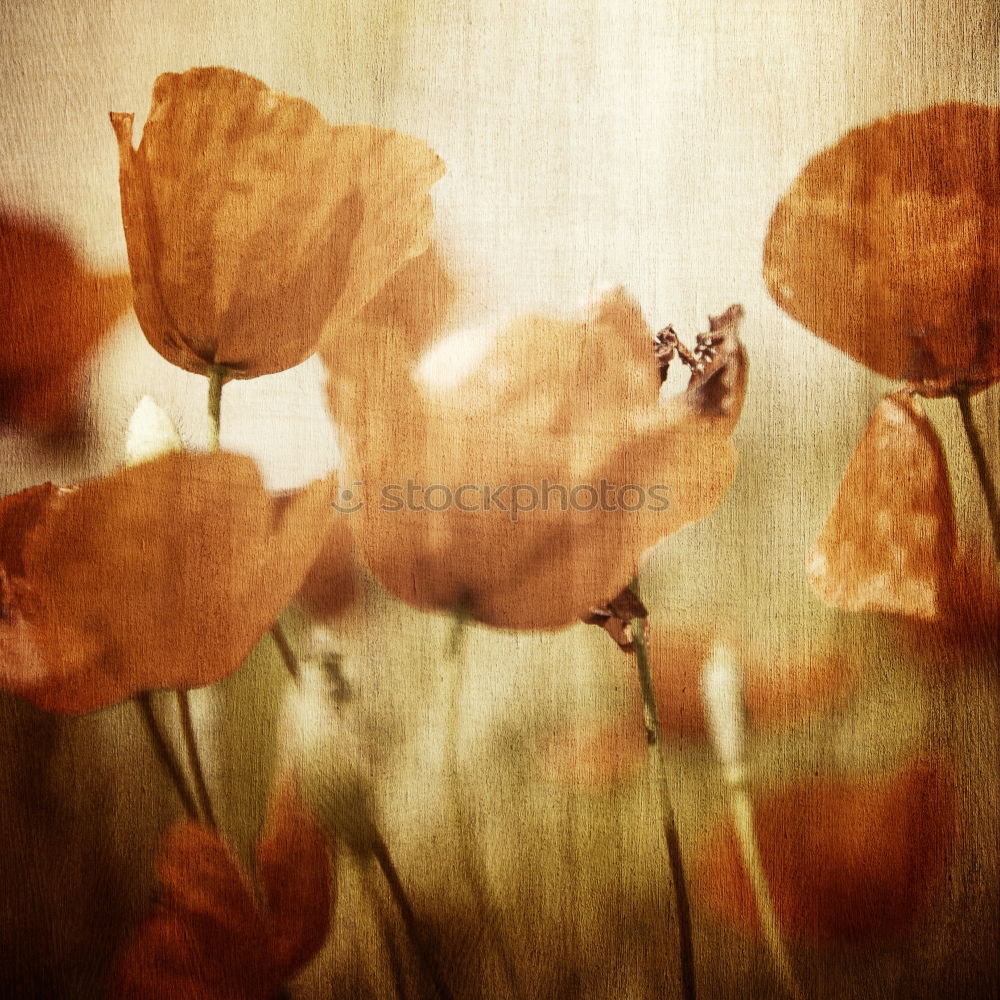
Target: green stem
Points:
(986, 482)
(742, 812)
(216, 379)
(420, 945)
(194, 759)
(165, 755)
(658, 770)
(285, 649)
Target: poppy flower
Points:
(332, 585)
(54, 313)
(848, 861)
(208, 937)
(251, 222)
(526, 486)
(889, 542)
(163, 575)
(886, 247)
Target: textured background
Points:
(587, 142)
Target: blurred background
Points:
(586, 143)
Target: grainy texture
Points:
(588, 142)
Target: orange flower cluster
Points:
(885, 246)
(256, 234)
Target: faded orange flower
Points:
(886, 246)
(208, 937)
(54, 313)
(568, 404)
(332, 585)
(251, 222)
(163, 575)
(889, 542)
(848, 861)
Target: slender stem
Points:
(469, 858)
(982, 466)
(194, 758)
(381, 915)
(402, 901)
(165, 755)
(742, 812)
(285, 649)
(658, 768)
(216, 379)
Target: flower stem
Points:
(285, 649)
(402, 901)
(742, 813)
(194, 758)
(165, 755)
(982, 466)
(216, 379)
(658, 770)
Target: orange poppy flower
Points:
(889, 542)
(163, 575)
(54, 313)
(848, 861)
(332, 585)
(208, 937)
(543, 473)
(251, 222)
(885, 246)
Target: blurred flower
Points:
(53, 314)
(568, 404)
(208, 937)
(163, 575)
(332, 586)
(889, 542)
(781, 688)
(251, 221)
(848, 861)
(969, 621)
(885, 246)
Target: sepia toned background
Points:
(587, 143)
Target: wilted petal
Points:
(53, 313)
(886, 246)
(250, 221)
(161, 575)
(889, 542)
(847, 861)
